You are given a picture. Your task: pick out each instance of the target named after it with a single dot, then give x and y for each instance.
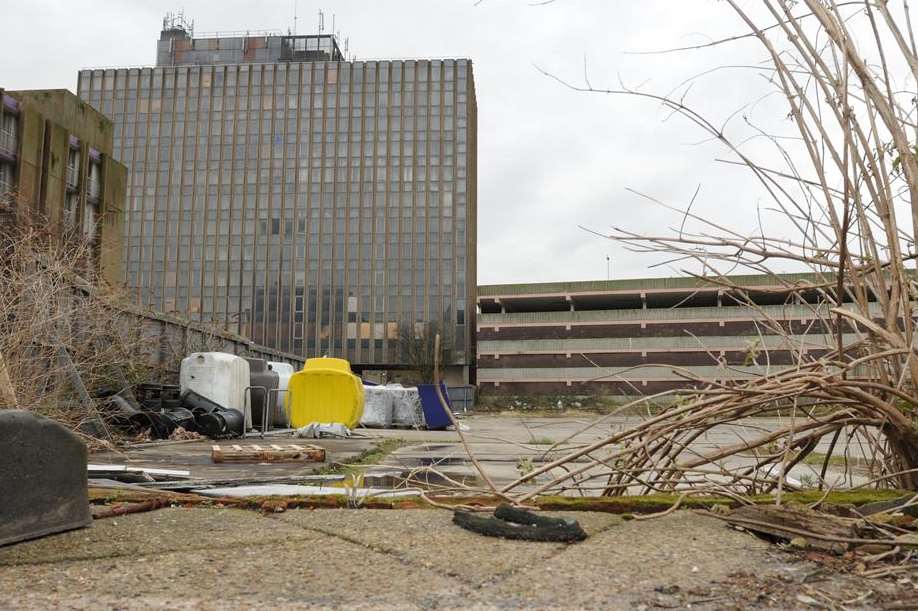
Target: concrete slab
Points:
(501, 442)
(429, 539)
(155, 532)
(620, 565)
(308, 571)
(413, 559)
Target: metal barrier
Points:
(277, 392)
(269, 405)
(248, 406)
(462, 398)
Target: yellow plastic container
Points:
(325, 390)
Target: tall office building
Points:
(316, 205)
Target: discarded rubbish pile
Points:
(163, 412)
(216, 397)
(223, 395)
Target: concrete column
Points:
(570, 301)
(643, 301)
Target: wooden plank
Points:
(255, 453)
(790, 522)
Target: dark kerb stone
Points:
(42, 478)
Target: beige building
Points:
(56, 165)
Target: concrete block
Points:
(42, 478)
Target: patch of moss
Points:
(370, 456)
(817, 458)
(335, 501)
(658, 502)
(839, 497)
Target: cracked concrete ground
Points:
(500, 443)
(209, 558)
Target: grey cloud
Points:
(550, 159)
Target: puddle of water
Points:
(417, 479)
(297, 490)
(434, 447)
(358, 485)
(431, 461)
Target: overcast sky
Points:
(550, 159)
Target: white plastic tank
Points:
(284, 371)
(220, 377)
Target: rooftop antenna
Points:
(177, 21)
(321, 21)
(333, 24)
(294, 17)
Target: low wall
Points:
(168, 339)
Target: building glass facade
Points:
(314, 206)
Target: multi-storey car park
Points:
(314, 204)
(644, 336)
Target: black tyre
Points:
(567, 532)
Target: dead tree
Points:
(847, 72)
(420, 351)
